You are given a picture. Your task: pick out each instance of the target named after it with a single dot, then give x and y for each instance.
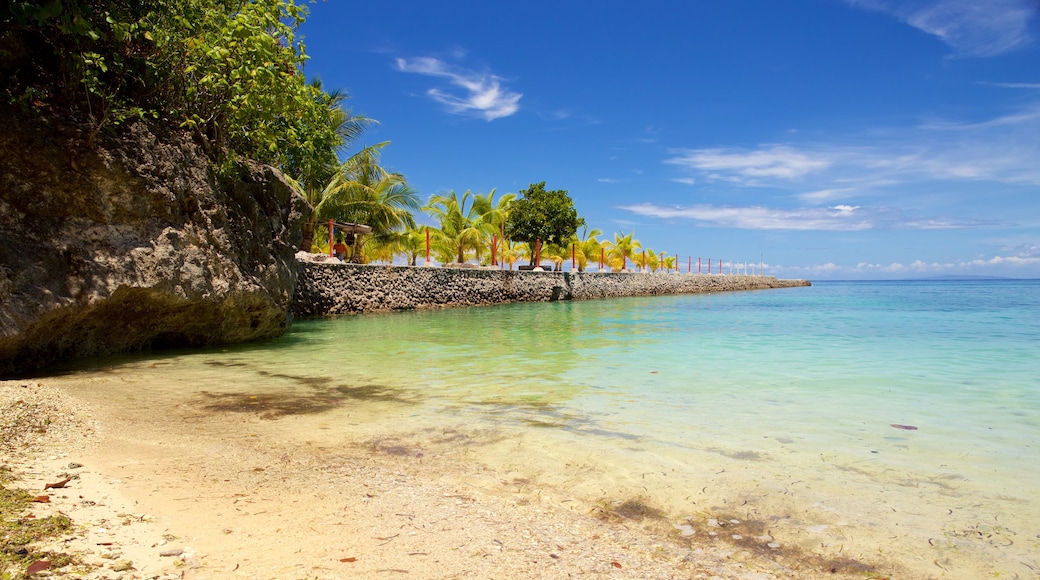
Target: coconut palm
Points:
(490, 217)
(363, 192)
(586, 247)
(459, 229)
(620, 250)
(670, 264)
(557, 253)
(512, 252)
(412, 243)
(309, 175)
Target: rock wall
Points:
(326, 288)
(113, 245)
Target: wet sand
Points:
(227, 495)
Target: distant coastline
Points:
(949, 278)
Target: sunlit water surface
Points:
(880, 421)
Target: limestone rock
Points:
(119, 244)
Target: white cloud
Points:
(842, 218)
(1014, 85)
(483, 95)
(824, 195)
(751, 166)
(1002, 149)
(973, 28)
(836, 218)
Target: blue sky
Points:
(829, 139)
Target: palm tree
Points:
(490, 217)
(619, 251)
(587, 247)
(363, 192)
(557, 253)
(310, 174)
(670, 263)
(412, 243)
(459, 230)
(512, 252)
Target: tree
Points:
(620, 250)
(460, 228)
(490, 217)
(363, 192)
(311, 175)
(227, 70)
(587, 247)
(548, 216)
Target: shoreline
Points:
(228, 498)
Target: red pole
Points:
(720, 265)
(644, 259)
(332, 232)
(698, 264)
(709, 265)
(538, 254)
(494, 246)
(572, 255)
(601, 258)
(689, 265)
(427, 243)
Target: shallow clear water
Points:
(786, 407)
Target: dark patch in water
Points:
(742, 455)
(220, 363)
(631, 509)
(392, 447)
(754, 536)
(282, 404)
(307, 381)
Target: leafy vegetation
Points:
(540, 215)
(228, 70)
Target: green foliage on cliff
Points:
(229, 70)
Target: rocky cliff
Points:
(119, 244)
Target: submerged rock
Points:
(120, 244)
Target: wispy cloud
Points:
(483, 94)
(834, 218)
(973, 28)
(1031, 86)
(751, 166)
(1002, 149)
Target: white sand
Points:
(227, 503)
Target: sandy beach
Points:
(218, 496)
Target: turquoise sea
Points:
(882, 422)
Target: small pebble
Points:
(685, 530)
(773, 545)
(122, 566)
(175, 552)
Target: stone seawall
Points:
(328, 289)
